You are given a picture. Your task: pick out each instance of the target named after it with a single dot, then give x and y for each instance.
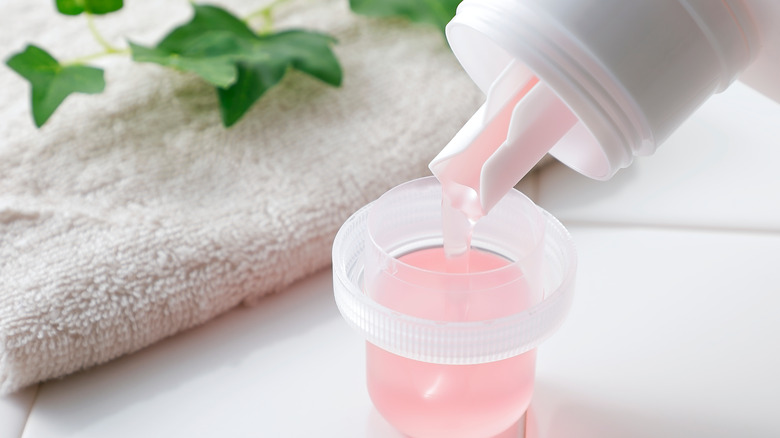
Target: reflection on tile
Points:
(377, 427)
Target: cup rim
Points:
(453, 342)
(512, 265)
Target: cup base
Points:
(428, 400)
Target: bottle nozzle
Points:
(521, 120)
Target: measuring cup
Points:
(451, 353)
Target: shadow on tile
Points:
(82, 400)
(558, 184)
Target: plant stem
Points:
(98, 37)
(90, 57)
(268, 22)
(266, 12)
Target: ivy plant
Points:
(241, 63)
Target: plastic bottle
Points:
(625, 75)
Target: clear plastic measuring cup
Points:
(450, 351)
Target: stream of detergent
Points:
(493, 151)
(460, 180)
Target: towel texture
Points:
(133, 214)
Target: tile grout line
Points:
(669, 227)
(30, 409)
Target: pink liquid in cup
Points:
(429, 400)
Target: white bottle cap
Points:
(631, 72)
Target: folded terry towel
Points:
(134, 214)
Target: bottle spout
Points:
(520, 121)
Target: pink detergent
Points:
(428, 400)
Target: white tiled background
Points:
(674, 331)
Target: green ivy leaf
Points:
(309, 52)
(222, 50)
(97, 7)
(52, 82)
(216, 70)
(437, 12)
(253, 81)
(206, 19)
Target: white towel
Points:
(133, 214)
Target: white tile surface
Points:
(720, 169)
(672, 334)
(14, 409)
